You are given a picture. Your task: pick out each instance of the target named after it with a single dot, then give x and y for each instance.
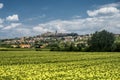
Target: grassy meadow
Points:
(46, 65)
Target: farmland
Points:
(46, 65)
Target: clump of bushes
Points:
(67, 46)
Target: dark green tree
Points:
(101, 41)
(116, 47)
(37, 46)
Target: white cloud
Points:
(12, 25)
(1, 5)
(107, 17)
(103, 11)
(82, 26)
(50, 26)
(40, 29)
(14, 17)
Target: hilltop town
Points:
(45, 39)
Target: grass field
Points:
(45, 65)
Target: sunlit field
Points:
(45, 65)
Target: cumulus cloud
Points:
(50, 26)
(1, 5)
(12, 25)
(40, 29)
(14, 17)
(84, 25)
(103, 11)
(77, 25)
(106, 17)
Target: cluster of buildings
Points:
(47, 38)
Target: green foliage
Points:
(101, 41)
(37, 45)
(65, 46)
(117, 40)
(46, 65)
(116, 47)
(54, 47)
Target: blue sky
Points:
(32, 17)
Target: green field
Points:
(45, 65)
